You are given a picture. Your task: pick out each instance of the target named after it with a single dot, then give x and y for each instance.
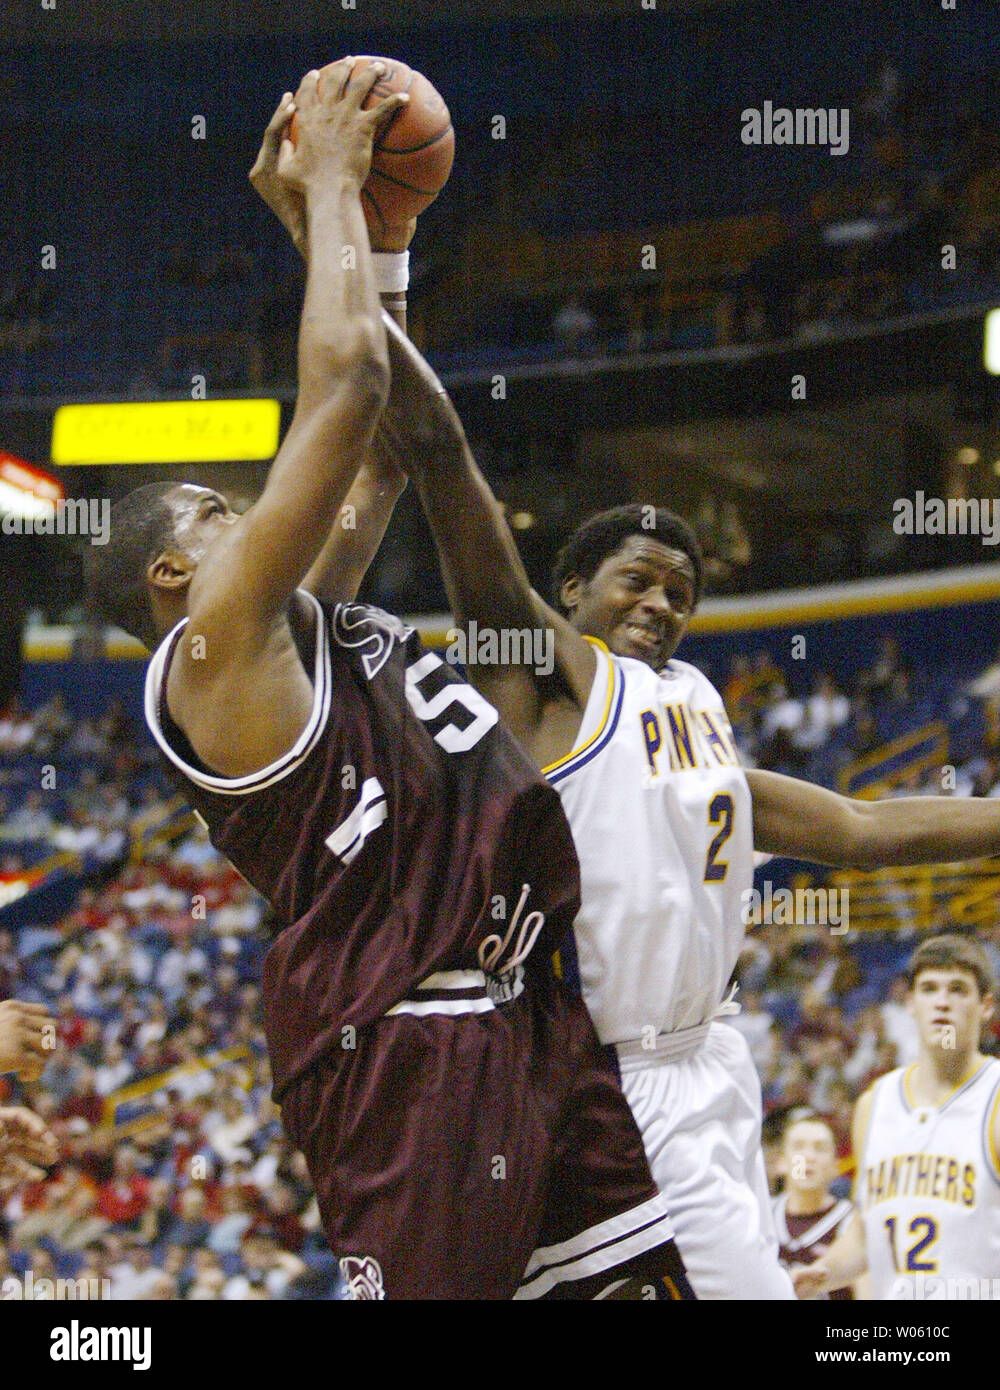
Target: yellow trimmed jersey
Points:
(661, 816)
(928, 1187)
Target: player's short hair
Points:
(605, 532)
(142, 526)
(952, 951)
(804, 1115)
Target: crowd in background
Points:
(173, 1179)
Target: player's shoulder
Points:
(881, 1085)
(683, 671)
(678, 670)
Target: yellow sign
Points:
(166, 432)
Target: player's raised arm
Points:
(798, 818)
(247, 579)
(337, 572)
(420, 431)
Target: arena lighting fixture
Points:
(522, 521)
(172, 432)
(991, 342)
(967, 456)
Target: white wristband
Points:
(392, 271)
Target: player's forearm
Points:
(797, 818)
(846, 1259)
(357, 533)
(929, 829)
(341, 329)
(420, 429)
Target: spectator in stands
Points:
(900, 1028)
(780, 722)
(826, 710)
(125, 1196)
(888, 678)
(573, 325)
(17, 729)
(31, 822)
(190, 1227)
(755, 1023)
(269, 1269)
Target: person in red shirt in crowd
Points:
(124, 1198)
(69, 1025)
(83, 1101)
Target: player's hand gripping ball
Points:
(413, 153)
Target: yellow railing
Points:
(211, 1061)
(849, 777)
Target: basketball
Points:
(413, 154)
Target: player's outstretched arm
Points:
(797, 818)
(487, 583)
(847, 1258)
(246, 579)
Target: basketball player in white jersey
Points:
(807, 1216)
(664, 818)
(927, 1147)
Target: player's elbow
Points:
(860, 846)
(357, 361)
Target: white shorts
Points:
(697, 1101)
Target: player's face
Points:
(200, 517)
(639, 602)
(949, 1010)
(810, 1158)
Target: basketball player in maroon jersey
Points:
(807, 1216)
(464, 1132)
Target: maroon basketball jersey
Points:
(395, 840)
(805, 1239)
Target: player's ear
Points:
(171, 570)
(571, 591)
(988, 1006)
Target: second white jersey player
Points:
(663, 825)
(929, 1189)
(662, 819)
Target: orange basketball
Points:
(413, 154)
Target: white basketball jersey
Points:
(929, 1190)
(661, 816)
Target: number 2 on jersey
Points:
(720, 812)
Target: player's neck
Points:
(808, 1201)
(937, 1074)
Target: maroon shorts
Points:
(481, 1154)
